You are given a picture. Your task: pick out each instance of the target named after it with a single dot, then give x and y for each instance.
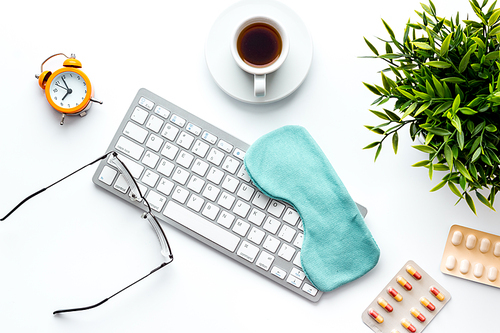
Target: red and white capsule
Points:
(425, 302)
(376, 316)
(405, 284)
(417, 314)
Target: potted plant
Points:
(445, 89)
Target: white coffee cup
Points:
(260, 46)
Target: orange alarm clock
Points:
(68, 89)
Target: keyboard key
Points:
(230, 183)
(135, 132)
(129, 148)
(226, 219)
(178, 120)
(248, 251)
(170, 132)
(291, 216)
(107, 175)
(196, 184)
(210, 211)
(245, 192)
(215, 156)
(166, 167)
(156, 201)
(309, 289)
(209, 137)
(139, 115)
(230, 165)
(299, 240)
(241, 208)
(286, 233)
(276, 208)
(200, 167)
(211, 192)
(193, 129)
(256, 236)
(215, 175)
(185, 140)
(150, 178)
(180, 176)
(239, 154)
(165, 186)
(201, 226)
(180, 194)
(293, 281)
(195, 202)
(161, 111)
(242, 174)
(226, 200)
(261, 200)
(169, 151)
(278, 272)
(200, 148)
(146, 103)
(256, 217)
(298, 274)
(296, 261)
(132, 166)
(121, 184)
(154, 123)
(225, 146)
(154, 142)
(150, 159)
(241, 227)
(271, 244)
(272, 225)
(265, 260)
(185, 159)
(286, 252)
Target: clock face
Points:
(68, 90)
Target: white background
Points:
(75, 244)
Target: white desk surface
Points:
(75, 244)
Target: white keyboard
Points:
(193, 176)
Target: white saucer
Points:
(239, 84)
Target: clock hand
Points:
(67, 93)
(65, 82)
(61, 87)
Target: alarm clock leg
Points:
(62, 119)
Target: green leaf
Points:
(476, 154)
(460, 140)
(453, 80)
(461, 168)
(438, 186)
(494, 31)
(448, 154)
(464, 62)
(409, 110)
(438, 64)
(470, 202)
(479, 42)
(380, 114)
(422, 95)
(425, 149)
(395, 139)
(467, 111)
(422, 108)
(429, 89)
(491, 128)
(371, 145)
(454, 189)
(493, 18)
(493, 55)
(378, 152)
(483, 199)
(438, 86)
(421, 163)
(388, 28)
(423, 46)
(372, 89)
(438, 131)
(456, 104)
(446, 44)
(455, 121)
(406, 94)
(374, 50)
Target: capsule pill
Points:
(404, 283)
(383, 303)
(471, 242)
(415, 313)
(376, 316)
(485, 245)
(464, 266)
(457, 238)
(478, 270)
(425, 302)
(492, 274)
(496, 251)
(413, 272)
(406, 324)
(397, 296)
(437, 293)
(450, 263)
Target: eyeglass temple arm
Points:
(43, 189)
(106, 299)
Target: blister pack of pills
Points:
(408, 302)
(473, 255)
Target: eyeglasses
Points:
(135, 195)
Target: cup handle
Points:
(259, 85)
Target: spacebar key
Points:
(201, 226)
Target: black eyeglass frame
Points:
(135, 195)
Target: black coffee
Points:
(259, 45)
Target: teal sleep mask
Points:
(287, 164)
